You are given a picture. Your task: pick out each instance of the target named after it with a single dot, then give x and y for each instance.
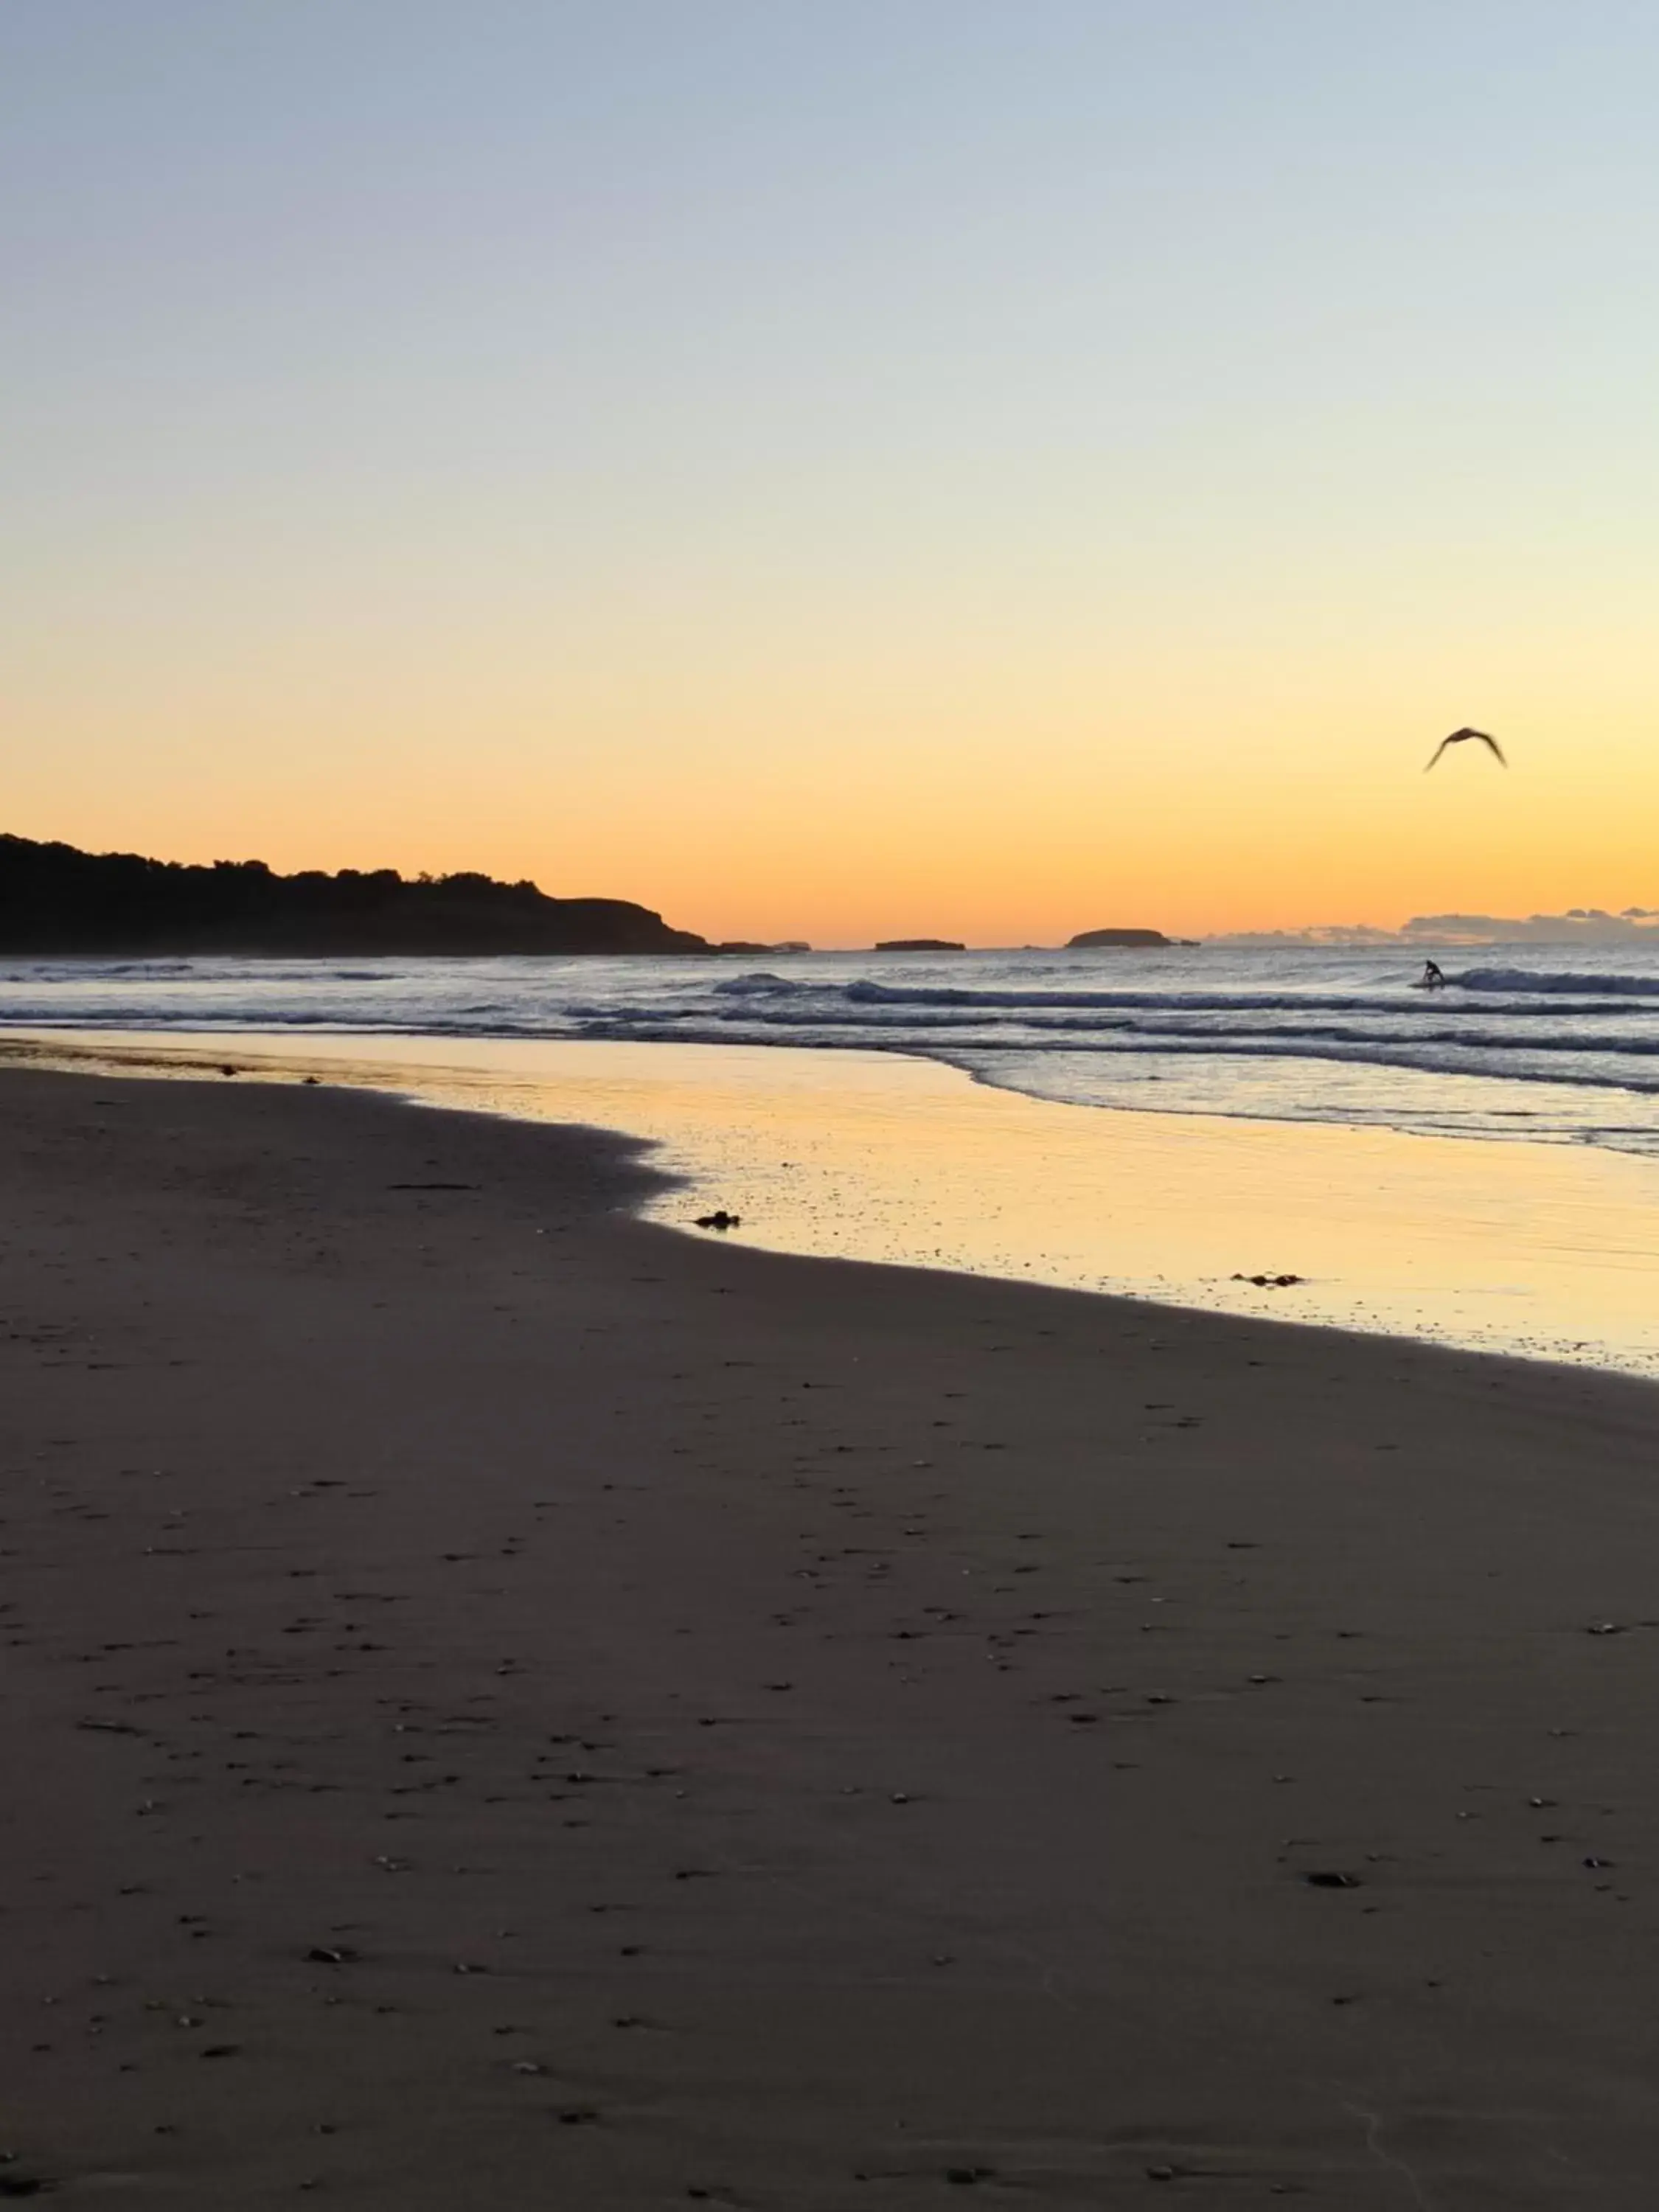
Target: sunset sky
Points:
(982, 467)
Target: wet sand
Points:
(1538, 1251)
(508, 1705)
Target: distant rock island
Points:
(1091, 940)
(55, 899)
(921, 944)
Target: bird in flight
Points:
(1461, 737)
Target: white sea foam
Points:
(1330, 1035)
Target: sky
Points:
(984, 468)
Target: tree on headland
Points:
(55, 899)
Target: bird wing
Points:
(1461, 737)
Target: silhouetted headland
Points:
(921, 944)
(55, 899)
(1091, 940)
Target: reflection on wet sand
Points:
(1543, 1251)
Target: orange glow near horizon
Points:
(1215, 802)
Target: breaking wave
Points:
(1571, 1054)
(1530, 981)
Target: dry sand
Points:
(507, 1706)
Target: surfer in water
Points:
(1433, 980)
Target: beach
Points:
(512, 1704)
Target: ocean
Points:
(1530, 1042)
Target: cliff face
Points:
(55, 899)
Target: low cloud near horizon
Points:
(1579, 925)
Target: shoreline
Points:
(522, 1706)
(1536, 1251)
